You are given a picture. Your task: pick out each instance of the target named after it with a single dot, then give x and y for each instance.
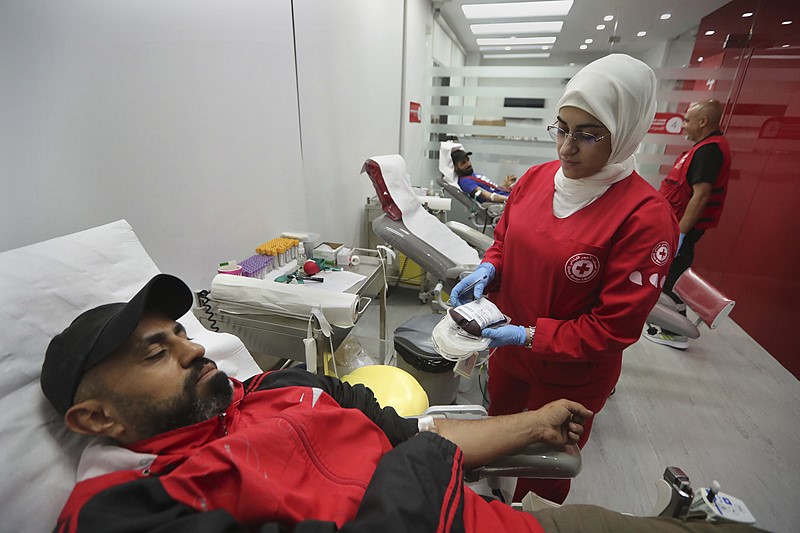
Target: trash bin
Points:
(412, 342)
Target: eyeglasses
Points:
(581, 138)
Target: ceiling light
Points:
(641, 34)
(600, 27)
(517, 9)
(583, 46)
(710, 32)
(665, 16)
(700, 59)
(515, 56)
(784, 46)
(506, 41)
(589, 41)
(513, 48)
(786, 22)
(608, 18)
(745, 15)
(516, 27)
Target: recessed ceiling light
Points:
(600, 27)
(786, 22)
(501, 28)
(641, 34)
(665, 16)
(517, 9)
(583, 46)
(700, 59)
(512, 47)
(515, 56)
(505, 41)
(589, 41)
(748, 14)
(608, 18)
(784, 46)
(710, 32)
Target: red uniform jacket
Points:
(586, 282)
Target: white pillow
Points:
(43, 287)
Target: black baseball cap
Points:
(459, 155)
(98, 332)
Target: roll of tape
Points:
(354, 260)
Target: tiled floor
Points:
(722, 410)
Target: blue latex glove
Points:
(472, 285)
(680, 242)
(505, 336)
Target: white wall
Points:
(416, 60)
(180, 117)
(349, 67)
(183, 117)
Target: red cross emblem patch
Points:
(581, 268)
(660, 253)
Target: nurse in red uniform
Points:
(580, 254)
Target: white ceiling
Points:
(630, 17)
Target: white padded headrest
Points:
(446, 162)
(43, 287)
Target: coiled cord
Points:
(202, 299)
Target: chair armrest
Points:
(673, 321)
(707, 301)
(541, 461)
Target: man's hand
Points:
(509, 182)
(562, 422)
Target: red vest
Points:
(678, 191)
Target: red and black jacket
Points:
(286, 456)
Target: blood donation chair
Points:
(481, 215)
(406, 225)
(43, 287)
(710, 305)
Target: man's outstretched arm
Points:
(485, 440)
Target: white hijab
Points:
(620, 92)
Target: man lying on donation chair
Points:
(477, 186)
(189, 449)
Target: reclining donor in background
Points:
(189, 449)
(477, 186)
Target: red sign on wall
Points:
(667, 123)
(414, 112)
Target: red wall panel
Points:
(754, 255)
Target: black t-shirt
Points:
(706, 163)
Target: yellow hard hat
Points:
(393, 387)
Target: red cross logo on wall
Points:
(660, 253)
(581, 268)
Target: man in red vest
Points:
(695, 188)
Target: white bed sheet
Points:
(418, 221)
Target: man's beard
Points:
(190, 406)
(464, 171)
